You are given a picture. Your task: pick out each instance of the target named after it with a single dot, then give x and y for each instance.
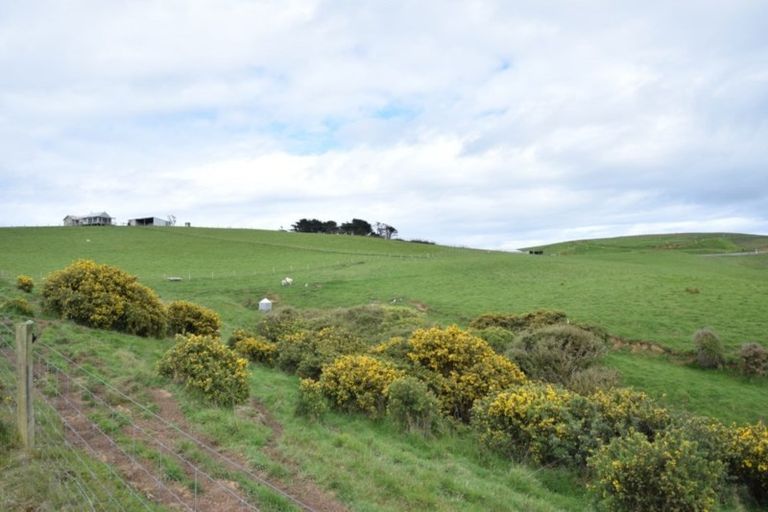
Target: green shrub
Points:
(206, 366)
(19, 306)
(594, 379)
(412, 406)
(257, 350)
(624, 409)
(240, 334)
(394, 350)
(709, 349)
(519, 323)
(187, 318)
(358, 383)
(460, 368)
(104, 297)
(556, 352)
(540, 422)
(374, 322)
(25, 283)
(279, 323)
(634, 474)
(749, 458)
(311, 403)
(498, 338)
(306, 352)
(753, 359)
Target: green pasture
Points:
(641, 289)
(656, 289)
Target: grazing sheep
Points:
(287, 281)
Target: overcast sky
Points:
(493, 124)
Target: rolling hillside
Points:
(650, 291)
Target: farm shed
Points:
(149, 221)
(265, 305)
(92, 219)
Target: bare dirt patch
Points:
(192, 485)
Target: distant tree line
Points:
(357, 227)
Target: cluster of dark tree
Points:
(357, 227)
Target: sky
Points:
(489, 124)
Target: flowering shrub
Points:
(634, 474)
(20, 306)
(306, 352)
(518, 323)
(104, 297)
(188, 318)
(25, 283)
(394, 350)
(358, 383)
(205, 365)
(460, 368)
(412, 406)
(623, 409)
(749, 458)
(753, 359)
(311, 402)
(257, 350)
(540, 422)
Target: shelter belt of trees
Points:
(357, 227)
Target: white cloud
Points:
(472, 123)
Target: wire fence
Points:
(109, 451)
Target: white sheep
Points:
(288, 281)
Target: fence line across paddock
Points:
(71, 439)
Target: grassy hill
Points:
(654, 289)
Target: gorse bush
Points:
(749, 459)
(753, 360)
(358, 383)
(460, 368)
(709, 350)
(498, 338)
(306, 352)
(374, 322)
(257, 350)
(519, 323)
(104, 297)
(624, 409)
(25, 283)
(671, 473)
(206, 366)
(539, 422)
(19, 306)
(311, 402)
(279, 323)
(412, 406)
(556, 353)
(187, 318)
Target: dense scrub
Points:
(557, 353)
(104, 297)
(187, 318)
(206, 366)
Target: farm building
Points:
(149, 221)
(92, 219)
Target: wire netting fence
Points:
(107, 450)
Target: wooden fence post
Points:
(26, 416)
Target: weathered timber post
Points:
(25, 414)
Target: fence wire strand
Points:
(184, 433)
(106, 436)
